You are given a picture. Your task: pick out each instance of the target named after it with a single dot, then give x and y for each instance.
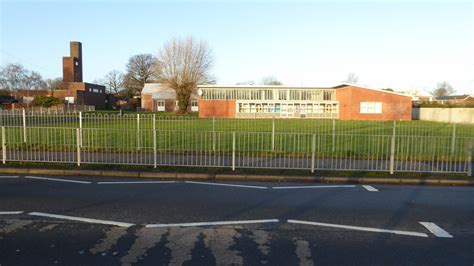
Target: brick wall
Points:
(394, 106)
(216, 108)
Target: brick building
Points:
(345, 102)
(156, 97)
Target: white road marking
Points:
(436, 230)
(80, 219)
(370, 188)
(296, 187)
(135, 182)
(58, 179)
(215, 223)
(12, 176)
(11, 212)
(221, 184)
(360, 228)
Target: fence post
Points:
(453, 141)
(138, 131)
(392, 149)
(154, 141)
(333, 135)
(469, 158)
(213, 133)
(273, 133)
(80, 127)
(233, 151)
(24, 125)
(313, 151)
(4, 146)
(78, 146)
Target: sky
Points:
(403, 45)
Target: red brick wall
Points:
(394, 107)
(216, 108)
(148, 103)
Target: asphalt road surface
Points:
(112, 221)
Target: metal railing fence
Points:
(155, 146)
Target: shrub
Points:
(46, 101)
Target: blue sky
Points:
(397, 44)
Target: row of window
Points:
(270, 94)
(95, 90)
(160, 105)
(305, 108)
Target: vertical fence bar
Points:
(154, 141)
(213, 133)
(392, 149)
(469, 158)
(233, 151)
(138, 131)
(24, 125)
(78, 146)
(273, 133)
(4, 146)
(333, 135)
(313, 151)
(453, 141)
(80, 127)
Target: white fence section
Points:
(149, 139)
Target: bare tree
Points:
(113, 81)
(55, 84)
(351, 78)
(442, 89)
(183, 64)
(16, 77)
(141, 69)
(271, 80)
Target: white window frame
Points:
(194, 106)
(160, 106)
(370, 107)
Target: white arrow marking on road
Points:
(80, 219)
(11, 212)
(296, 187)
(221, 184)
(135, 182)
(436, 230)
(360, 228)
(370, 188)
(215, 223)
(57, 179)
(12, 176)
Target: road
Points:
(109, 221)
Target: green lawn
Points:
(293, 137)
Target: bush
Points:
(46, 101)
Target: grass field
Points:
(291, 137)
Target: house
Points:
(464, 99)
(156, 97)
(344, 102)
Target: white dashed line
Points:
(135, 182)
(226, 185)
(436, 230)
(12, 176)
(11, 212)
(297, 187)
(80, 219)
(215, 223)
(359, 228)
(370, 188)
(57, 179)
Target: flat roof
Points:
(213, 86)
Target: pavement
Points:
(88, 220)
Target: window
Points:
(194, 106)
(160, 106)
(370, 107)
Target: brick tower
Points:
(72, 65)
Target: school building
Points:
(344, 102)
